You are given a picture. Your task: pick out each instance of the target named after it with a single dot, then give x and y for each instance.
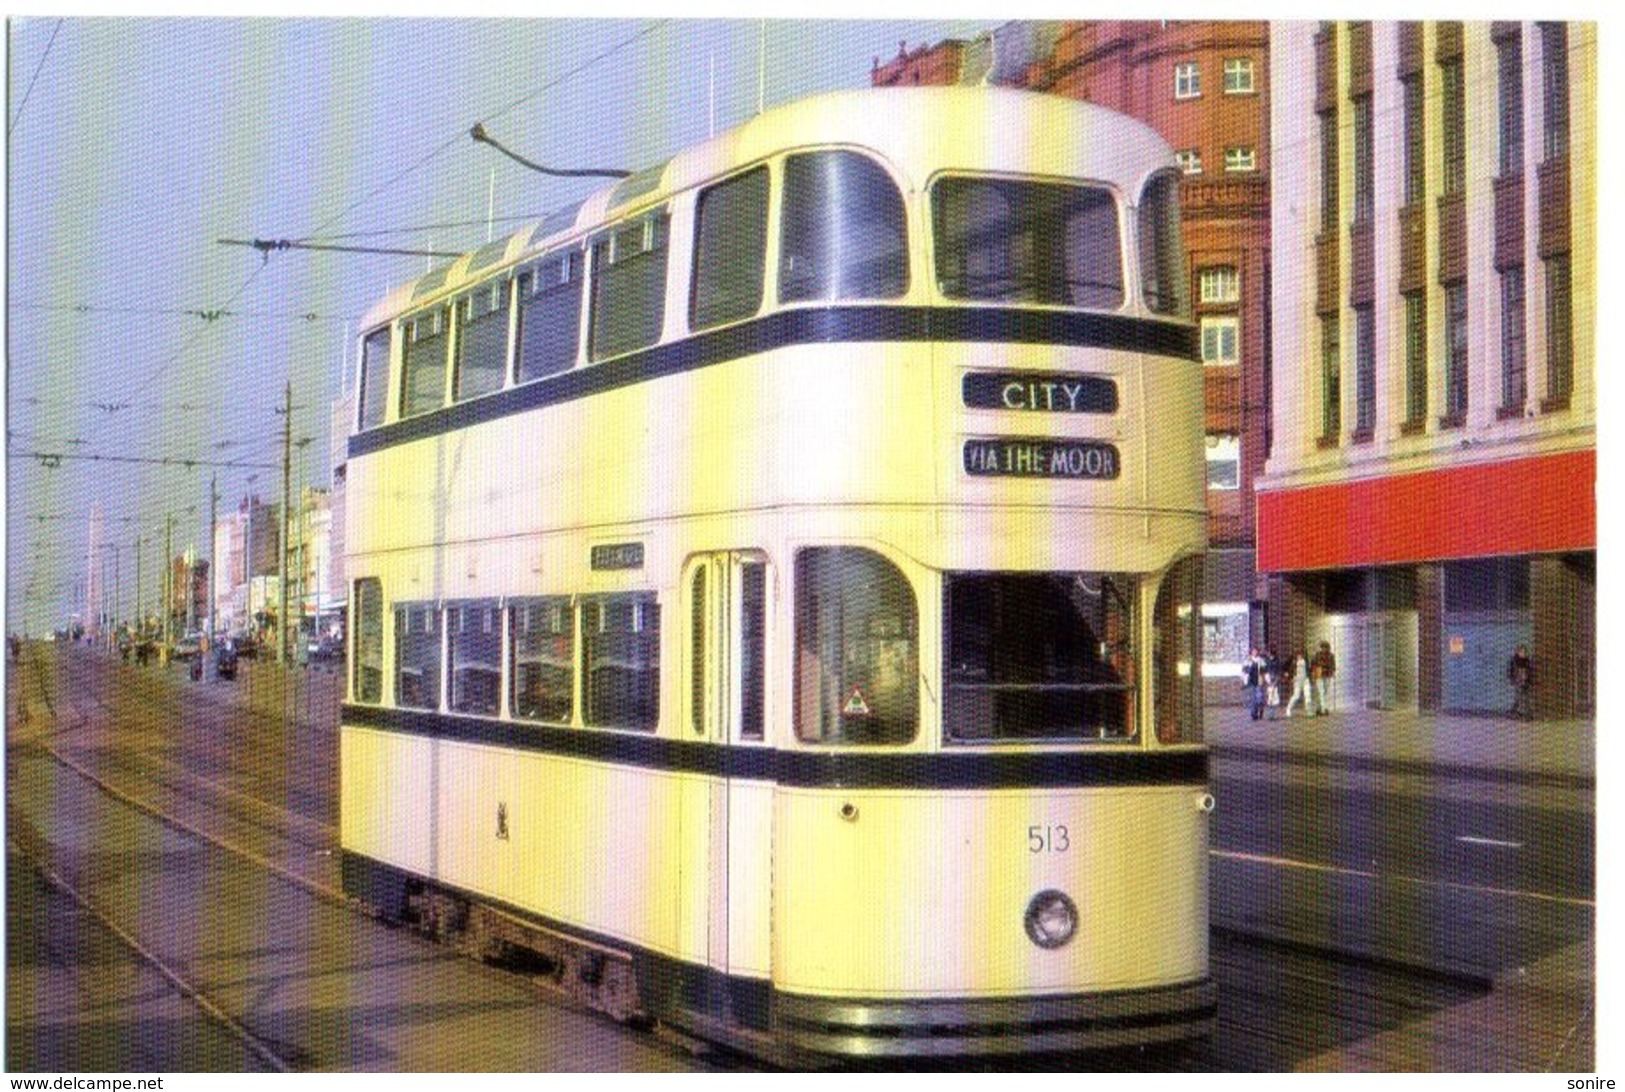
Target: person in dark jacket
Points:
(1252, 679)
(1521, 674)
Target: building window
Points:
(1559, 333)
(1415, 149)
(1189, 160)
(1220, 284)
(1514, 385)
(1509, 57)
(1238, 76)
(1416, 358)
(1365, 372)
(1328, 171)
(1221, 337)
(1454, 118)
(1364, 178)
(1187, 80)
(1223, 461)
(1240, 160)
(1455, 338)
(1331, 380)
(1554, 68)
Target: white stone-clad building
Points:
(1428, 501)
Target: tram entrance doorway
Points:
(727, 819)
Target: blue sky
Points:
(134, 144)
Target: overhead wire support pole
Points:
(282, 537)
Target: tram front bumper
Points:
(905, 1028)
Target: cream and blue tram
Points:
(774, 582)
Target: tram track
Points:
(1279, 1002)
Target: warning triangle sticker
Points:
(855, 705)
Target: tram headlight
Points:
(1052, 919)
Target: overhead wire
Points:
(15, 118)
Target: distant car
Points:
(246, 646)
(225, 660)
(326, 650)
(188, 646)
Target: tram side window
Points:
(629, 287)
(423, 370)
(620, 638)
(374, 377)
(1038, 657)
(482, 341)
(730, 250)
(549, 316)
(543, 659)
(1163, 277)
(857, 649)
(368, 682)
(843, 234)
(474, 632)
(417, 657)
(1176, 661)
(1027, 242)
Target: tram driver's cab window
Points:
(844, 236)
(1039, 657)
(857, 649)
(368, 654)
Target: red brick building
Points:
(1205, 87)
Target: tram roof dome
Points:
(917, 130)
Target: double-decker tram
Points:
(774, 588)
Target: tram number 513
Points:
(1046, 838)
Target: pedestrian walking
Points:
(1298, 680)
(1521, 674)
(1252, 680)
(1323, 670)
(1274, 685)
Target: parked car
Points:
(326, 650)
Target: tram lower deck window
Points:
(1038, 657)
(857, 649)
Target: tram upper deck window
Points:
(368, 683)
(543, 659)
(730, 250)
(621, 661)
(1011, 241)
(843, 234)
(1039, 657)
(374, 377)
(417, 657)
(474, 633)
(423, 370)
(1163, 277)
(857, 649)
(629, 286)
(549, 316)
(482, 341)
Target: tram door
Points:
(726, 826)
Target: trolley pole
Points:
(169, 578)
(140, 622)
(282, 539)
